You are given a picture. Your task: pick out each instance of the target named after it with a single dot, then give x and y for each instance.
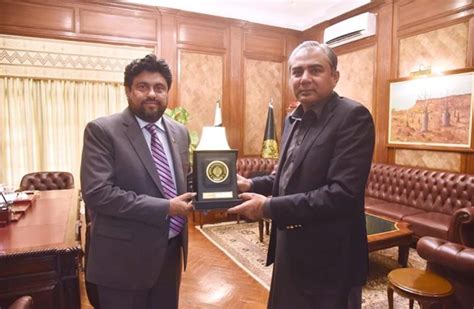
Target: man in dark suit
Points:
(133, 178)
(318, 242)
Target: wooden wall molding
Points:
(356, 45)
(233, 115)
(315, 33)
(470, 44)
(260, 44)
(65, 19)
(434, 24)
(263, 56)
(95, 22)
(202, 35)
(429, 13)
(288, 97)
(16, 15)
(383, 73)
(266, 30)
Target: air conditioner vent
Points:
(345, 37)
(351, 29)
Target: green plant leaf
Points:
(181, 115)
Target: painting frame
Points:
(432, 112)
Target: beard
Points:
(148, 110)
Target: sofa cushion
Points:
(429, 224)
(392, 210)
(369, 201)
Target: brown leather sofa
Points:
(432, 202)
(43, 181)
(454, 260)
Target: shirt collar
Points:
(159, 123)
(316, 108)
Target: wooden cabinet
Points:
(39, 254)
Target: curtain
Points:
(42, 123)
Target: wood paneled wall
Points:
(432, 33)
(221, 47)
(402, 25)
(232, 45)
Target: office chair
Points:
(43, 181)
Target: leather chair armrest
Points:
(445, 253)
(462, 221)
(24, 302)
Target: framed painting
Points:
(432, 112)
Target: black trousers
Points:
(287, 292)
(164, 294)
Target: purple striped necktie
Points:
(162, 166)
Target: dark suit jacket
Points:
(321, 217)
(122, 191)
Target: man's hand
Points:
(182, 204)
(252, 208)
(243, 184)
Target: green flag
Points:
(270, 145)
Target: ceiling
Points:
(292, 14)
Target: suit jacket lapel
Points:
(313, 133)
(287, 133)
(135, 136)
(288, 128)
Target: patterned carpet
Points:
(240, 242)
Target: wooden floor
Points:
(212, 280)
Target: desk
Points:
(39, 254)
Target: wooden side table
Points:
(415, 284)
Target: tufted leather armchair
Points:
(255, 166)
(454, 261)
(43, 181)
